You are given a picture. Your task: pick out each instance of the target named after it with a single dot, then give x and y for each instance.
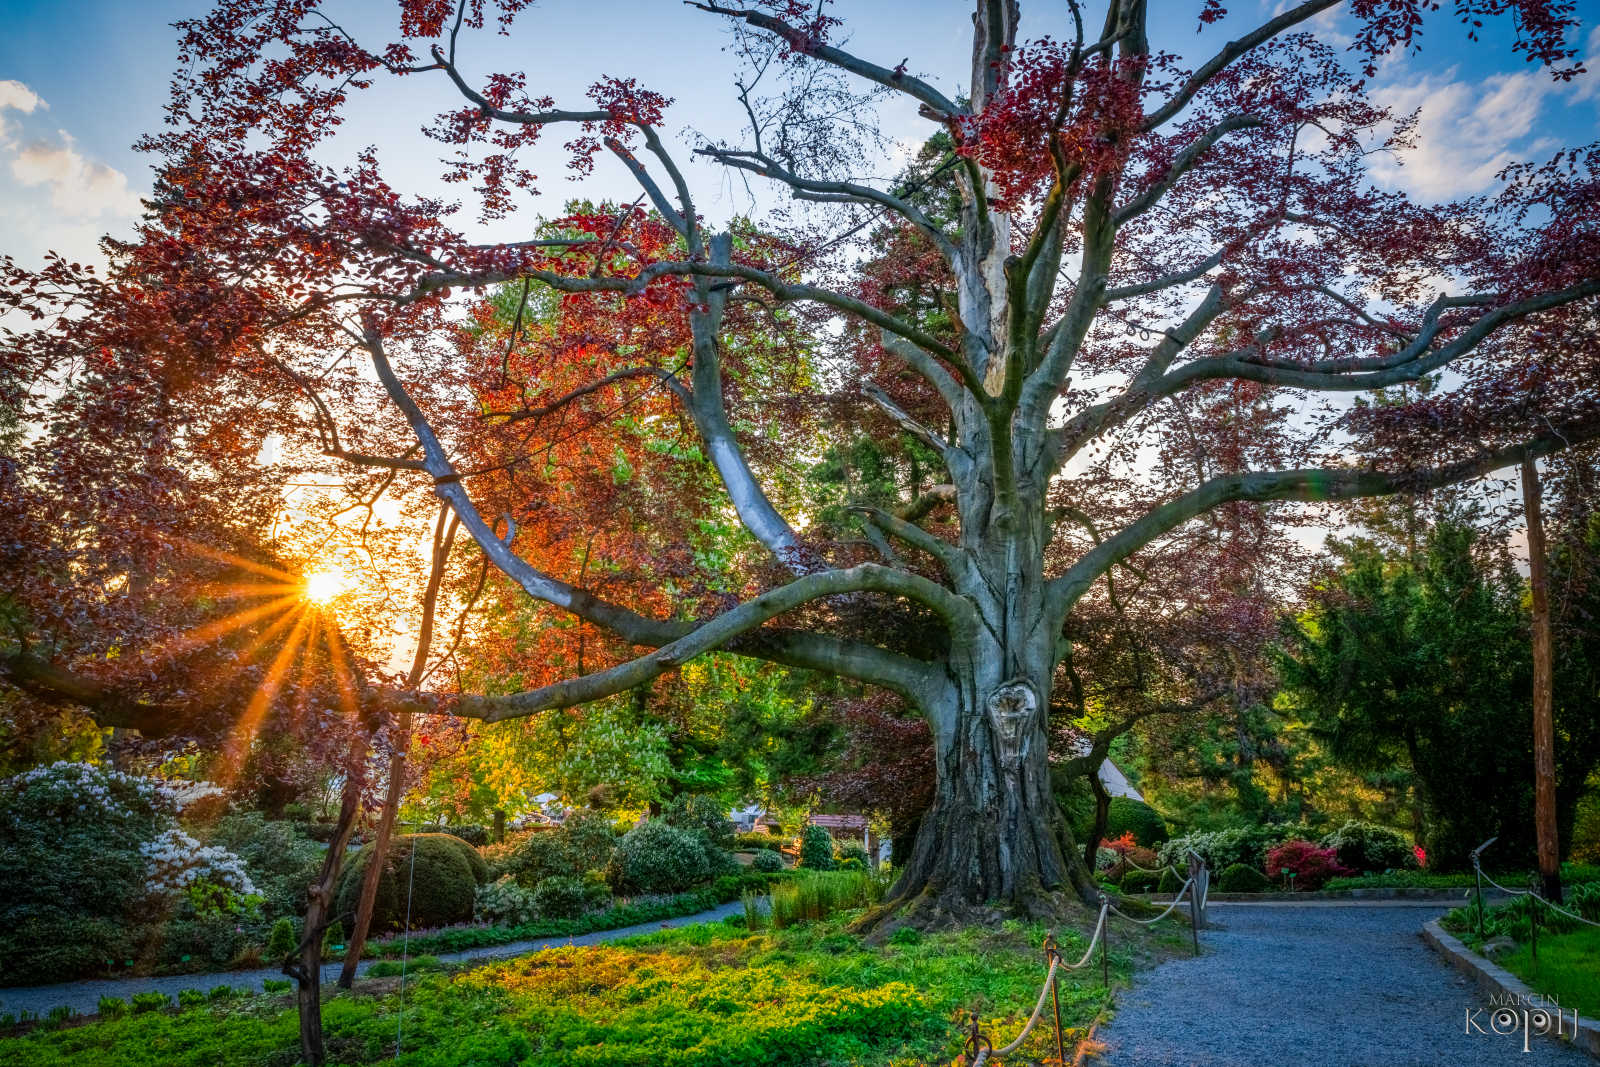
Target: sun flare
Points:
(324, 585)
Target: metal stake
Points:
(1477, 869)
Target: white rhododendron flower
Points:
(175, 861)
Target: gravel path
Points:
(85, 996)
(1337, 987)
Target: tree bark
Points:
(443, 538)
(1102, 815)
(319, 915)
(1544, 758)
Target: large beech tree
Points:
(1195, 244)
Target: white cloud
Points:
(77, 186)
(1467, 132)
(16, 95)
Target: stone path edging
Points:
(1497, 979)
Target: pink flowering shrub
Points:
(1311, 865)
(1421, 854)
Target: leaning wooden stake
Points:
(1544, 755)
(442, 540)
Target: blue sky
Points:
(80, 82)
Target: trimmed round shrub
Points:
(561, 897)
(1140, 881)
(1170, 882)
(583, 843)
(657, 858)
(1365, 846)
(816, 849)
(1129, 816)
(853, 850)
(1241, 879)
(441, 884)
(473, 834)
(766, 862)
(474, 858)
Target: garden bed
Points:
(1451, 895)
(703, 994)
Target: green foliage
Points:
(60, 1014)
(474, 858)
(276, 986)
(505, 902)
(190, 998)
(281, 862)
(853, 850)
(1140, 881)
(472, 833)
(816, 849)
(425, 876)
(282, 941)
(1170, 882)
(71, 873)
(816, 895)
(560, 897)
(1239, 878)
(694, 811)
(1365, 846)
(222, 992)
(583, 843)
(1221, 849)
(111, 1007)
(1421, 660)
(766, 862)
(151, 1001)
(1138, 818)
(758, 840)
(658, 858)
(906, 935)
(393, 968)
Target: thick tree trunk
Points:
(1544, 745)
(307, 972)
(1102, 815)
(994, 840)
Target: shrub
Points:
(1170, 882)
(472, 833)
(71, 873)
(657, 858)
(735, 920)
(391, 968)
(766, 862)
(152, 1001)
(906, 935)
(276, 986)
(112, 1007)
(1241, 879)
(474, 858)
(60, 1014)
(282, 942)
(189, 998)
(1106, 858)
(1365, 846)
(281, 862)
(1311, 865)
(584, 842)
(560, 897)
(425, 876)
(759, 841)
(699, 812)
(504, 903)
(1140, 881)
(816, 849)
(1221, 849)
(222, 992)
(1129, 816)
(854, 850)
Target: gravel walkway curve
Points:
(1335, 987)
(85, 996)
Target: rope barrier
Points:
(1176, 900)
(1530, 893)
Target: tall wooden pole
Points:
(1544, 747)
(442, 540)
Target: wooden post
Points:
(319, 914)
(1544, 754)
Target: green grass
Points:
(1568, 968)
(700, 995)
